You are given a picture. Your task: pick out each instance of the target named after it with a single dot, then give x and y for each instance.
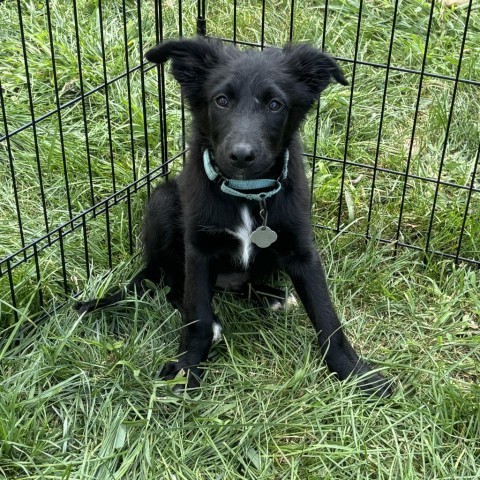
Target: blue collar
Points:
(236, 187)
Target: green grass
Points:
(80, 397)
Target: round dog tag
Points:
(263, 237)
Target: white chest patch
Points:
(242, 233)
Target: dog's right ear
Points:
(192, 59)
(313, 69)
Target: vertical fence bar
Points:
(317, 118)
(180, 19)
(107, 100)
(414, 126)
(467, 204)
(163, 110)
(12, 171)
(85, 247)
(37, 274)
(129, 92)
(12, 290)
(382, 115)
(447, 130)
(292, 20)
(161, 88)
(84, 106)
(109, 235)
(62, 256)
(234, 22)
(130, 222)
(182, 100)
(57, 104)
(349, 117)
(144, 99)
(262, 37)
(32, 115)
(201, 18)
(324, 32)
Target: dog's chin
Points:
(242, 174)
(236, 173)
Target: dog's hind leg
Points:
(162, 251)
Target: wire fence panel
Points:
(86, 127)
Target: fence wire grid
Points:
(87, 128)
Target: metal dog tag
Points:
(263, 237)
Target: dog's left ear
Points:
(312, 68)
(192, 60)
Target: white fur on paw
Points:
(217, 332)
(276, 305)
(291, 301)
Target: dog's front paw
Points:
(172, 370)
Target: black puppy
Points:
(240, 208)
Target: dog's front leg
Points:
(198, 318)
(307, 275)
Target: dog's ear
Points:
(192, 59)
(312, 68)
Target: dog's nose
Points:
(242, 153)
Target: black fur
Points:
(247, 108)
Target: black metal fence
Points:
(86, 127)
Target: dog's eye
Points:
(222, 101)
(274, 106)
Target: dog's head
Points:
(247, 104)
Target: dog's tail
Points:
(136, 284)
